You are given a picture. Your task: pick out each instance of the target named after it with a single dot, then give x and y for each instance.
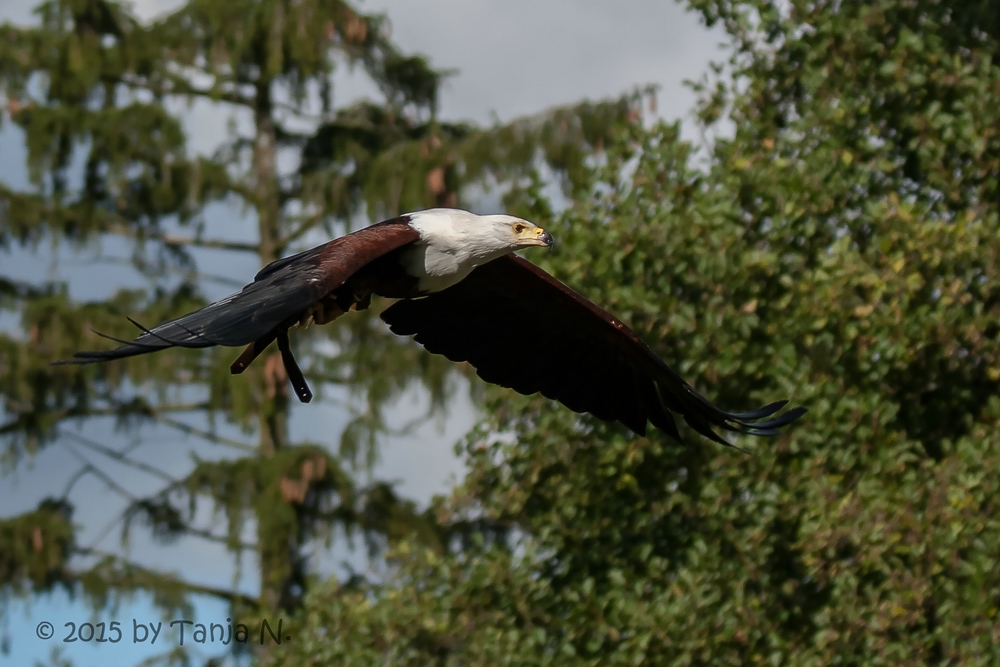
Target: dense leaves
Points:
(842, 247)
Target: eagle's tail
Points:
(703, 415)
(189, 331)
(176, 333)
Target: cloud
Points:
(519, 56)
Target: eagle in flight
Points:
(464, 294)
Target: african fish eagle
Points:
(464, 294)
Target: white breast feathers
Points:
(452, 243)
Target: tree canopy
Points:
(839, 243)
(101, 100)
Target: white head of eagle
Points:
(454, 242)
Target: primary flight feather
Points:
(463, 294)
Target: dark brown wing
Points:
(281, 290)
(521, 328)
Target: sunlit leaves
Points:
(841, 248)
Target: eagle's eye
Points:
(519, 228)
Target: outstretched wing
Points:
(580, 355)
(280, 291)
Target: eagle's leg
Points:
(363, 302)
(292, 369)
(251, 352)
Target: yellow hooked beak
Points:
(537, 236)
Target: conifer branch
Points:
(202, 433)
(107, 529)
(187, 530)
(118, 456)
(104, 477)
(73, 480)
(212, 537)
(231, 596)
(210, 277)
(57, 416)
(326, 378)
(175, 240)
(118, 407)
(303, 228)
(299, 113)
(179, 85)
(198, 589)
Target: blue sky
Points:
(514, 57)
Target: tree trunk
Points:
(278, 556)
(274, 412)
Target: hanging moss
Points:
(35, 548)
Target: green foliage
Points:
(395, 162)
(98, 96)
(35, 547)
(842, 248)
